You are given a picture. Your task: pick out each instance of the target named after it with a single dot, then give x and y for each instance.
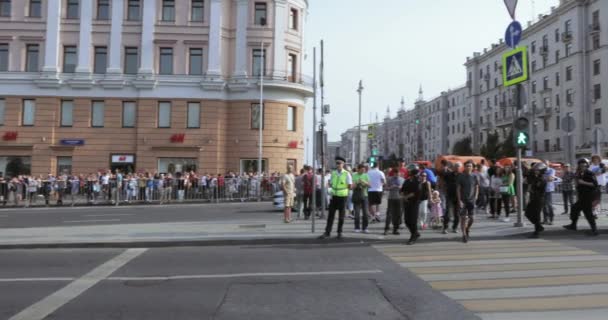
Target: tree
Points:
(507, 147)
(463, 147)
(492, 149)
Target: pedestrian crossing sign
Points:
(515, 67)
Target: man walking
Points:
(411, 200)
(586, 186)
(340, 182)
(308, 185)
(377, 179)
(451, 200)
(360, 198)
(567, 187)
(289, 193)
(551, 180)
(467, 192)
(538, 186)
(394, 209)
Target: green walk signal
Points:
(522, 139)
(374, 152)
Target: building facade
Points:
(151, 85)
(568, 62)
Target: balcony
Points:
(487, 126)
(566, 37)
(273, 79)
(544, 112)
(504, 122)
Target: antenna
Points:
(532, 3)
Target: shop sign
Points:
(72, 142)
(178, 138)
(293, 144)
(122, 159)
(10, 136)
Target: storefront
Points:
(177, 165)
(124, 162)
(64, 165)
(251, 165)
(12, 166)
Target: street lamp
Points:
(359, 91)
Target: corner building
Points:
(150, 85)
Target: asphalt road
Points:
(325, 281)
(82, 216)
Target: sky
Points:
(396, 46)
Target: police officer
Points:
(586, 186)
(536, 185)
(411, 200)
(340, 183)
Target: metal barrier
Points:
(134, 191)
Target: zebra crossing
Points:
(512, 279)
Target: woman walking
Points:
(507, 191)
(423, 206)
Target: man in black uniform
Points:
(411, 199)
(586, 186)
(536, 185)
(450, 178)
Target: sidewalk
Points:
(245, 231)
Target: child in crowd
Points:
(436, 210)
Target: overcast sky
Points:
(395, 46)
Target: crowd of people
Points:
(116, 186)
(447, 199)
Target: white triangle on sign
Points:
(511, 5)
(514, 68)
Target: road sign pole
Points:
(520, 178)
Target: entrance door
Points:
(123, 167)
(124, 162)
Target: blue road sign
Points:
(513, 34)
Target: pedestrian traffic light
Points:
(372, 161)
(521, 133)
(374, 152)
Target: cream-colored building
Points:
(151, 85)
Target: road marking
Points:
(513, 274)
(48, 305)
(480, 256)
(519, 282)
(85, 221)
(538, 304)
(510, 267)
(109, 214)
(246, 275)
(528, 292)
(589, 314)
(35, 279)
(502, 261)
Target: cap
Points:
(338, 158)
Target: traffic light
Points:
(521, 134)
(374, 152)
(372, 161)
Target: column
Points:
(84, 41)
(116, 37)
(51, 48)
(146, 50)
(214, 66)
(280, 25)
(242, 22)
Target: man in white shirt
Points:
(377, 179)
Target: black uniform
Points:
(410, 210)
(536, 185)
(585, 198)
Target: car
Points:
(278, 201)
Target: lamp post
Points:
(261, 122)
(358, 153)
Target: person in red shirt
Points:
(402, 170)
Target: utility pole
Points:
(323, 186)
(358, 158)
(314, 138)
(261, 122)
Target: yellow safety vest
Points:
(339, 185)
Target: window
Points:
(597, 91)
(67, 111)
(103, 9)
(100, 60)
(557, 102)
(175, 165)
(31, 59)
(29, 113)
(557, 122)
(547, 145)
(64, 165)
(596, 67)
(546, 42)
(595, 40)
(597, 116)
(131, 60)
(194, 115)
(556, 35)
(567, 26)
(259, 63)
(3, 57)
(570, 97)
(558, 144)
(164, 114)
(292, 66)
(259, 17)
(69, 59)
(5, 8)
(255, 116)
(533, 65)
(546, 102)
(293, 19)
(595, 17)
(35, 8)
(133, 8)
(166, 61)
(128, 114)
(97, 114)
(568, 49)
(291, 119)
(535, 146)
(168, 13)
(72, 10)
(198, 10)
(545, 83)
(557, 79)
(196, 61)
(556, 56)
(569, 73)
(2, 110)
(533, 87)
(533, 47)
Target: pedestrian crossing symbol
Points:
(515, 66)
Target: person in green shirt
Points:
(360, 185)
